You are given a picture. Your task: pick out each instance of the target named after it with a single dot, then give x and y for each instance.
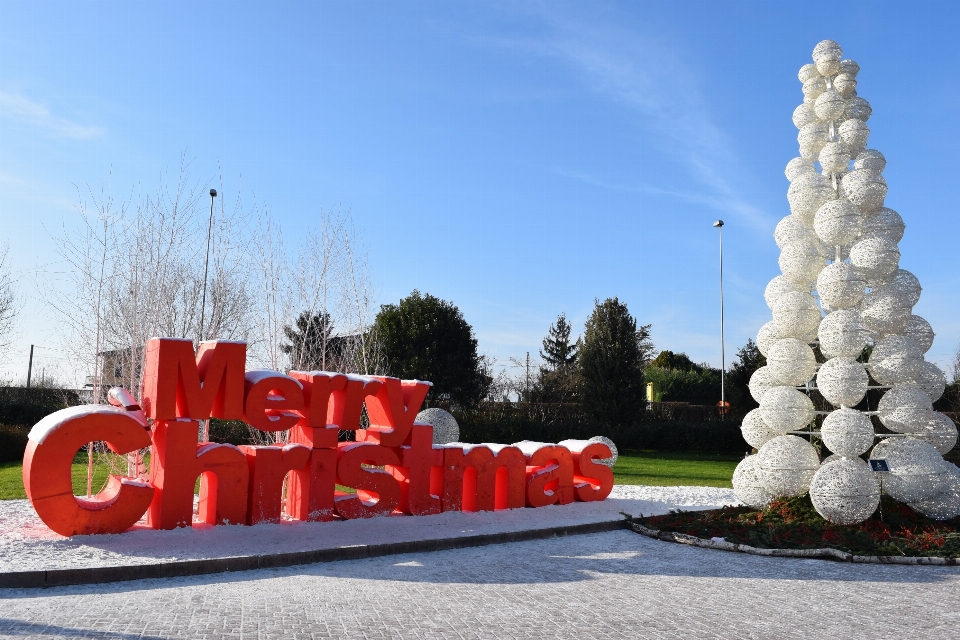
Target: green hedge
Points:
(19, 405)
(13, 442)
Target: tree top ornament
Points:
(843, 325)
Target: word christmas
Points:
(393, 465)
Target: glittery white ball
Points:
(804, 115)
(937, 430)
(837, 222)
(445, 427)
(854, 133)
(776, 288)
(809, 192)
(829, 105)
(827, 55)
(792, 361)
(747, 485)
(834, 157)
(813, 88)
(767, 335)
(796, 314)
(904, 285)
(846, 85)
(931, 380)
(807, 72)
(849, 67)
(787, 465)
(883, 223)
(864, 188)
(761, 381)
(870, 159)
(884, 311)
(841, 285)
(896, 360)
(857, 109)
(921, 332)
(847, 432)
(844, 492)
(843, 333)
(915, 468)
(842, 381)
(785, 409)
(943, 502)
(875, 257)
(801, 262)
(755, 432)
(797, 167)
(905, 408)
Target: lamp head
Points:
(718, 223)
(213, 194)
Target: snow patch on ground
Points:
(26, 544)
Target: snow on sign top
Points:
(392, 464)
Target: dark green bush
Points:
(13, 442)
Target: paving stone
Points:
(605, 585)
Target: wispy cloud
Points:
(646, 75)
(17, 107)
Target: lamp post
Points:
(206, 264)
(723, 360)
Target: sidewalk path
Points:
(610, 585)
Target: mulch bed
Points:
(894, 530)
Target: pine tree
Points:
(558, 352)
(311, 342)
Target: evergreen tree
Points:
(427, 338)
(558, 380)
(676, 361)
(311, 342)
(612, 357)
(558, 352)
(749, 359)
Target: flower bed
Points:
(894, 530)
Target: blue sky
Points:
(519, 159)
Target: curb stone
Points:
(829, 554)
(180, 568)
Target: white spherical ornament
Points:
(854, 133)
(931, 380)
(943, 502)
(792, 361)
(797, 167)
(827, 55)
(885, 312)
(841, 285)
(813, 88)
(883, 223)
(847, 432)
(871, 159)
(811, 139)
(776, 288)
(849, 67)
(803, 115)
(915, 468)
(937, 430)
(837, 222)
(755, 432)
(829, 105)
(801, 262)
(796, 314)
(761, 381)
(834, 157)
(808, 72)
(614, 454)
(921, 332)
(808, 193)
(842, 382)
(445, 427)
(905, 408)
(844, 492)
(896, 360)
(787, 464)
(767, 335)
(846, 86)
(864, 188)
(747, 485)
(876, 258)
(785, 409)
(905, 286)
(843, 333)
(857, 109)
(791, 229)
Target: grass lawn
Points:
(633, 467)
(672, 468)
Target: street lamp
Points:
(206, 264)
(723, 360)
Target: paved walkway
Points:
(610, 585)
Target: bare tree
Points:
(9, 301)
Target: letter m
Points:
(178, 385)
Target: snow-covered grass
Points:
(27, 544)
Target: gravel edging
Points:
(99, 575)
(828, 554)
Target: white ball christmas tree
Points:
(842, 289)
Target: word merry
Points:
(393, 465)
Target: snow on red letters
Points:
(392, 467)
